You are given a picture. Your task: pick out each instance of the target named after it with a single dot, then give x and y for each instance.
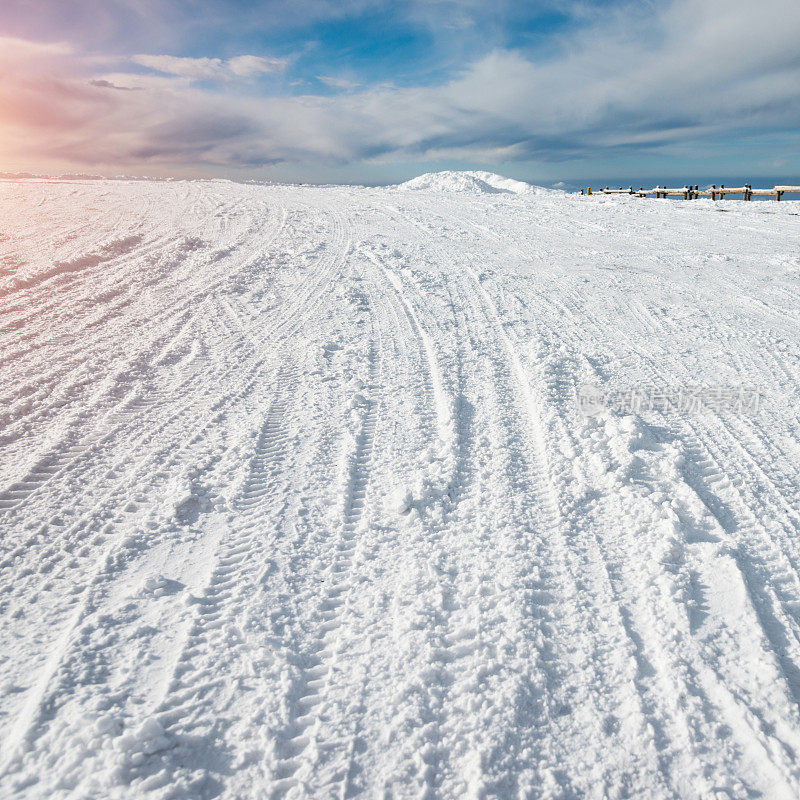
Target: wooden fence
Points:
(693, 192)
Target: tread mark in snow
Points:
(442, 401)
(299, 743)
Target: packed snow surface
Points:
(298, 498)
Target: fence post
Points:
(713, 192)
(685, 192)
(746, 194)
(778, 194)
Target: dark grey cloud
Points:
(103, 84)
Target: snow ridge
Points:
(470, 182)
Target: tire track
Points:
(101, 572)
(196, 698)
(770, 577)
(569, 569)
(304, 738)
(442, 401)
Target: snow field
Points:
(297, 500)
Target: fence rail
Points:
(693, 192)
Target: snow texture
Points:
(297, 499)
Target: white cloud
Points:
(338, 83)
(245, 66)
(185, 67)
(628, 82)
(19, 53)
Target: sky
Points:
(367, 91)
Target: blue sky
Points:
(370, 91)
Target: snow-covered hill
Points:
(471, 183)
(336, 492)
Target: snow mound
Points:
(470, 183)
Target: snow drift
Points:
(470, 182)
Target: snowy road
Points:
(297, 499)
